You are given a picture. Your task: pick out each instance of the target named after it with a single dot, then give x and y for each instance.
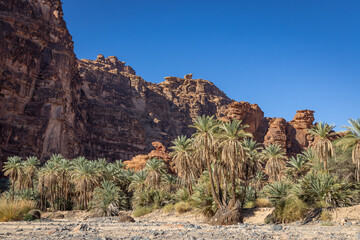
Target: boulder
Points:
(125, 218)
(35, 213)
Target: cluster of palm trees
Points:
(220, 155)
(232, 158)
(61, 182)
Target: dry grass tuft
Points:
(182, 207)
(14, 211)
(169, 208)
(141, 211)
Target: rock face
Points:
(292, 136)
(124, 114)
(39, 81)
(276, 133)
(138, 162)
(249, 114)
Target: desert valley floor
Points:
(159, 225)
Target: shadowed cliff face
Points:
(39, 80)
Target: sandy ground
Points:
(159, 225)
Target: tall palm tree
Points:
(252, 150)
(204, 139)
(48, 181)
(30, 170)
(13, 169)
(85, 179)
(232, 152)
(64, 168)
(274, 156)
(183, 159)
(351, 140)
(322, 133)
(155, 169)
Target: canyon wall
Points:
(39, 81)
(51, 102)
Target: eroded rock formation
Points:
(249, 114)
(138, 162)
(292, 136)
(124, 114)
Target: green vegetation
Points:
(219, 168)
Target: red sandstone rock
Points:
(276, 133)
(138, 162)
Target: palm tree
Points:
(274, 156)
(258, 182)
(155, 169)
(117, 174)
(297, 166)
(108, 195)
(232, 152)
(30, 167)
(138, 181)
(64, 168)
(85, 179)
(351, 140)
(252, 150)
(182, 157)
(48, 180)
(13, 169)
(322, 132)
(204, 140)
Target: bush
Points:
(14, 211)
(28, 217)
(152, 197)
(262, 203)
(326, 190)
(169, 208)
(249, 205)
(141, 211)
(202, 198)
(108, 196)
(289, 209)
(278, 191)
(182, 207)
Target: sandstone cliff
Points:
(39, 80)
(124, 114)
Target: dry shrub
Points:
(326, 216)
(169, 208)
(14, 210)
(289, 210)
(263, 203)
(182, 207)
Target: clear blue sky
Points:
(283, 55)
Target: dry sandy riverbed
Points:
(160, 225)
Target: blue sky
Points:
(283, 55)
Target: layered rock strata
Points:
(39, 81)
